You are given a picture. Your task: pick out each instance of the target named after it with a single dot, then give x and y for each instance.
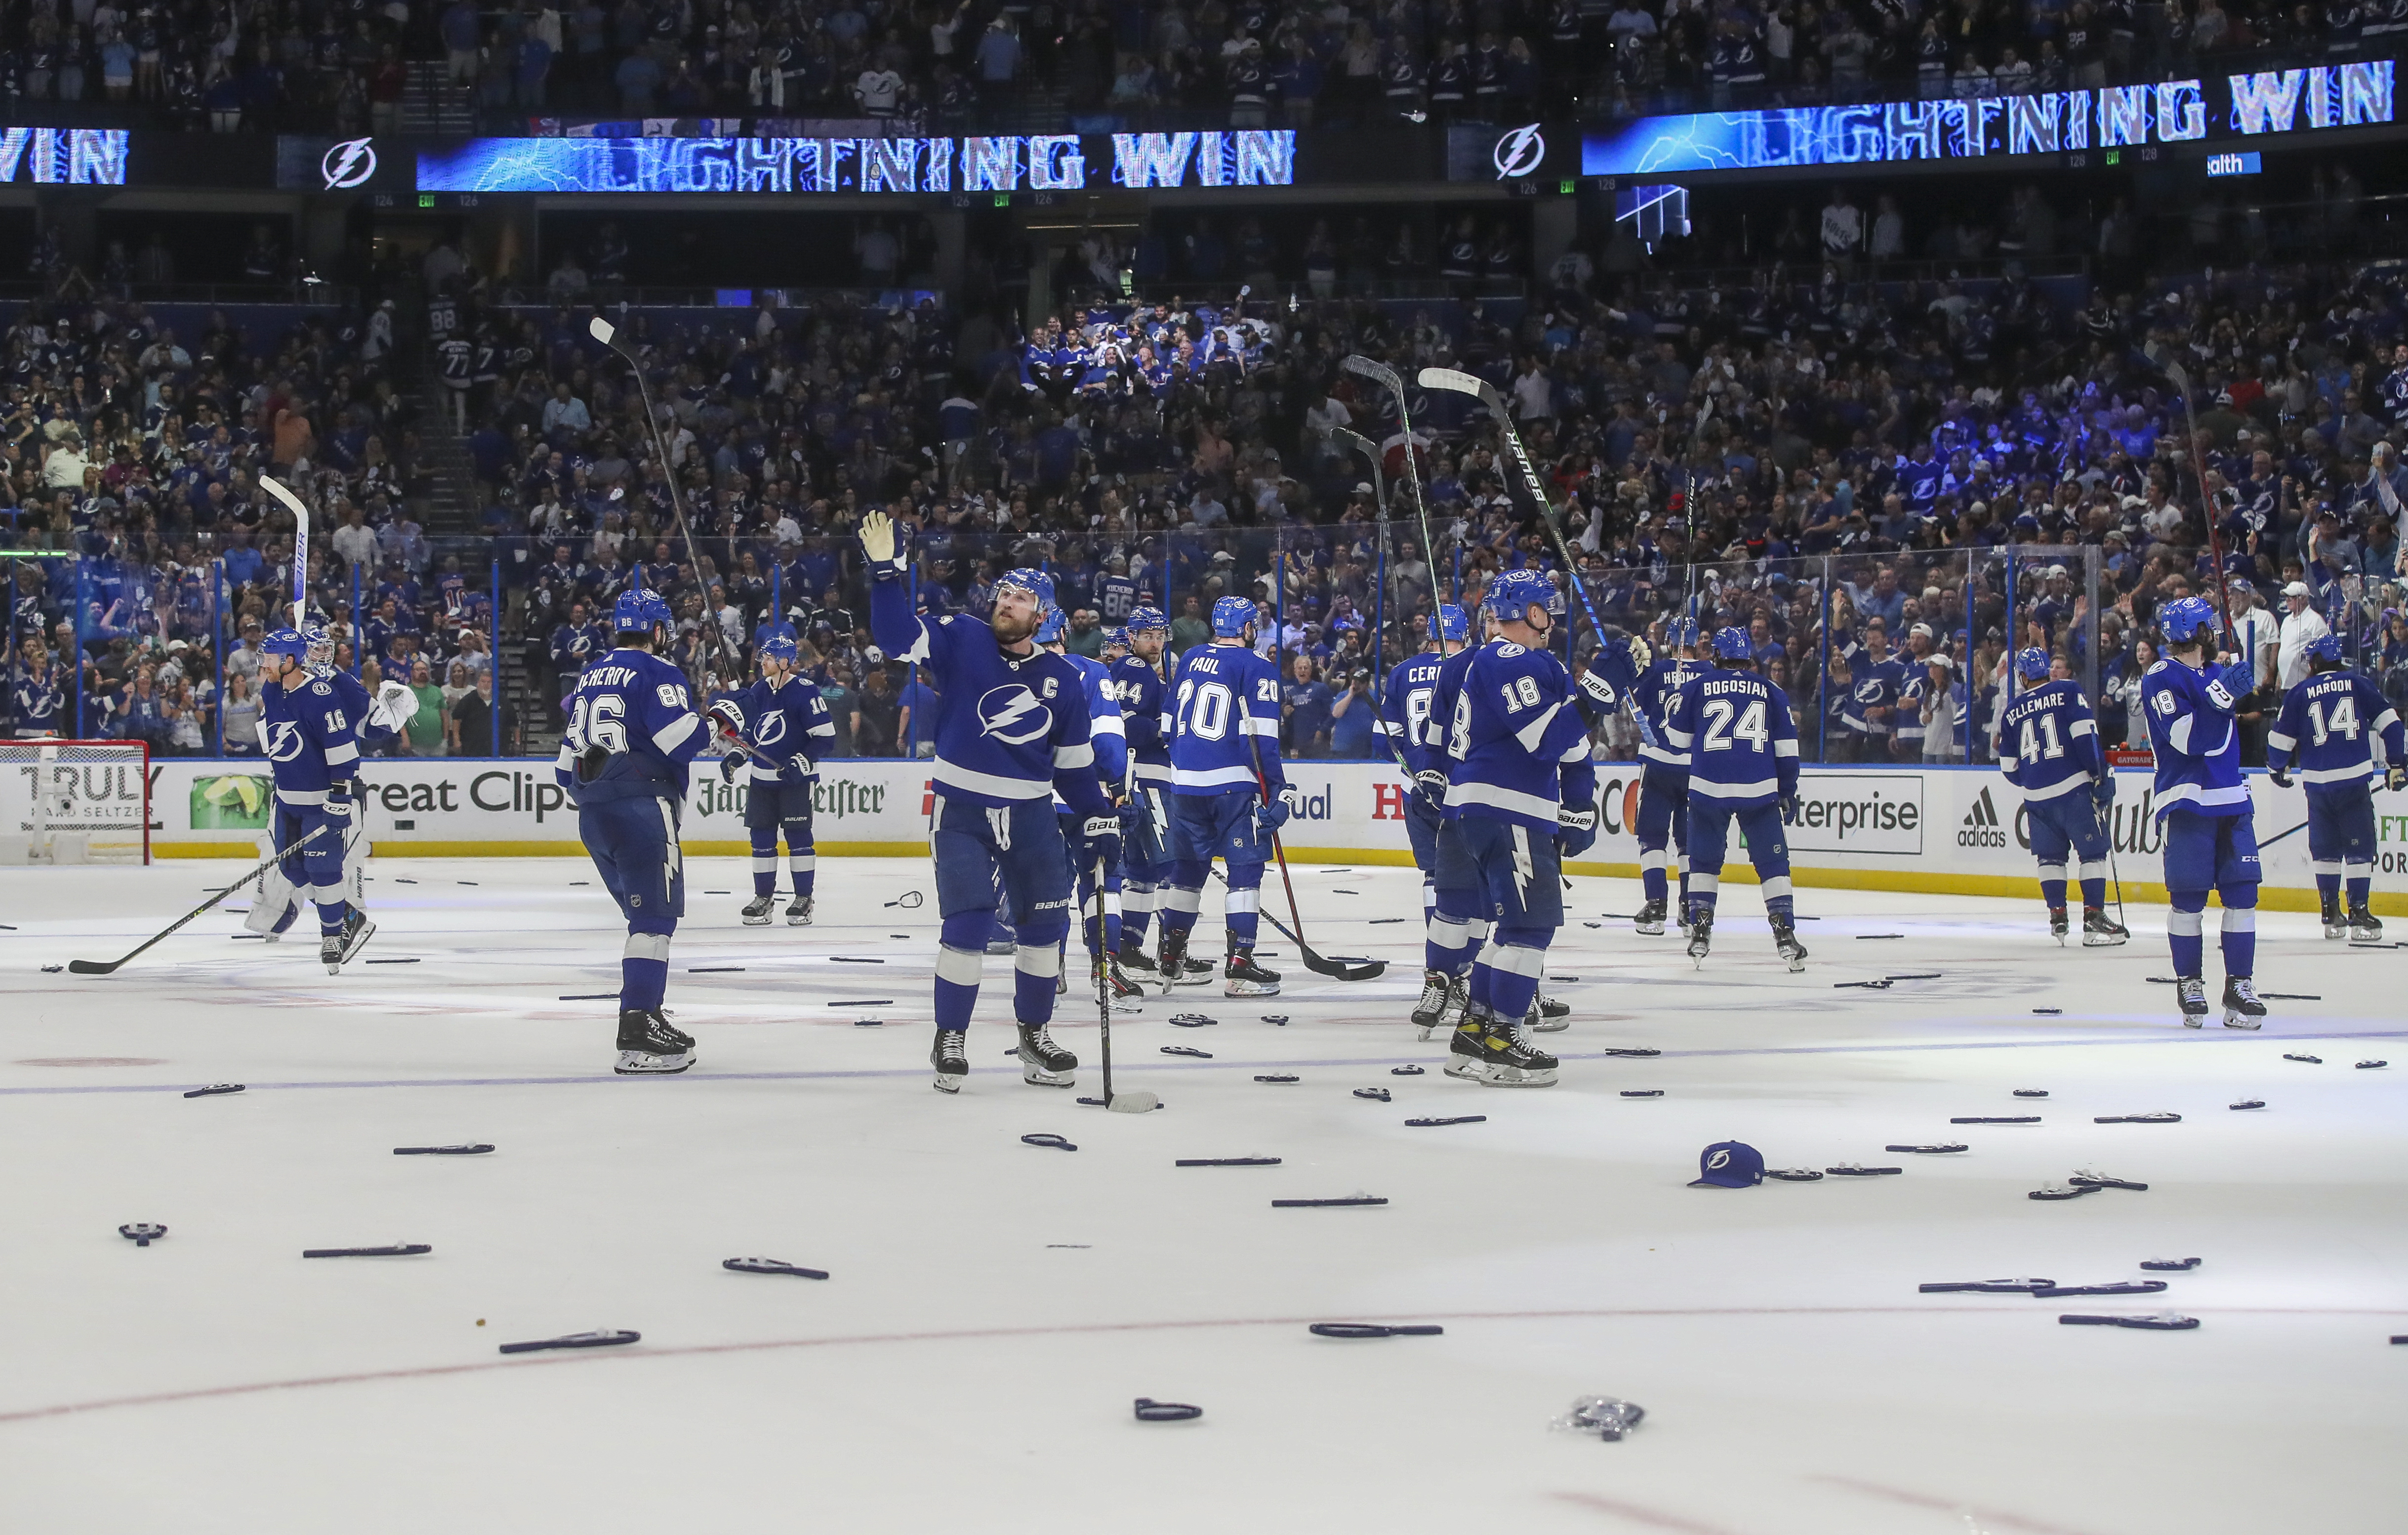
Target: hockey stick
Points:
(1386, 376)
(1359, 971)
(300, 510)
(1119, 1103)
(2107, 823)
(605, 332)
(2181, 380)
(97, 966)
(1468, 384)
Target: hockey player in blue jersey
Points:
(1663, 819)
(1404, 724)
(2210, 834)
(1229, 794)
(1522, 796)
(374, 721)
(2325, 736)
(623, 759)
(1014, 729)
(784, 717)
(310, 735)
(1109, 739)
(1734, 728)
(2048, 749)
(1137, 687)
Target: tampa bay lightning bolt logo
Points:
(283, 742)
(348, 163)
(772, 729)
(1518, 151)
(1718, 1161)
(1012, 715)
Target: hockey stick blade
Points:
(602, 330)
(1341, 969)
(1456, 381)
(278, 489)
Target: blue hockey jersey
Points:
(308, 732)
(1139, 689)
(2197, 743)
(1664, 678)
(1225, 708)
(2048, 742)
(1877, 686)
(359, 705)
(786, 721)
(1016, 726)
(40, 702)
(632, 731)
(1734, 730)
(2330, 722)
(1405, 711)
(1516, 745)
(1106, 730)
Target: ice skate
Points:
(1784, 939)
(1511, 1060)
(1433, 1002)
(2241, 1009)
(2363, 927)
(1651, 919)
(2336, 926)
(2057, 925)
(1450, 1013)
(800, 913)
(338, 947)
(1176, 969)
(1123, 992)
(950, 1057)
(1548, 1015)
(651, 1046)
(1242, 976)
(756, 911)
(2191, 992)
(1135, 961)
(1466, 1050)
(1043, 1062)
(1701, 937)
(2099, 930)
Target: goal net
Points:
(75, 801)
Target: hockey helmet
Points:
(1450, 622)
(2183, 620)
(1732, 644)
(1035, 583)
(321, 642)
(2031, 664)
(2325, 647)
(780, 645)
(1232, 617)
(1514, 593)
(638, 612)
(1116, 640)
(1141, 620)
(292, 642)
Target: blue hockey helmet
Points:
(1732, 644)
(1514, 593)
(1052, 626)
(1116, 640)
(780, 644)
(292, 642)
(1141, 620)
(2031, 664)
(321, 643)
(1681, 633)
(1232, 616)
(1450, 622)
(2183, 620)
(1027, 578)
(638, 612)
(2325, 647)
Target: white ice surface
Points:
(995, 1307)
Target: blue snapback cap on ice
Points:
(1728, 1163)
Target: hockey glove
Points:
(1429, 788)
(730, 765)
(1599, 691)
(2234, 680)
(799, 765)
(1575, 830)
(2281, 775)
(1102, 835)
(2395, 777)
(2102, 791)
(1789, 808)
(727, 716)
(395, 706)
(1271, 815)
(878, 541)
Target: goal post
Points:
(75, 801)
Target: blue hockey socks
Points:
(644, 971)
(2184, 925)
(2053, 891)
(2240, 934)
(1506, 974)
(960, 949)
(2359, 884)
(2094, 895)
(1241, 912)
